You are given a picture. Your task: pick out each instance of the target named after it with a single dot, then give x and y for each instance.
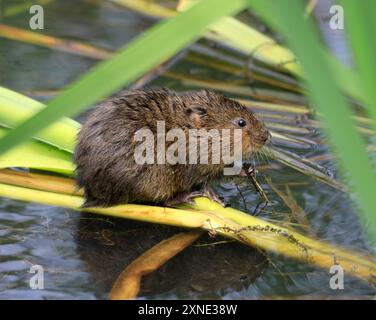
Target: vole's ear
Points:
(195, 113)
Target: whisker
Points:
(262, 155)
(266, 155)
(257, 157)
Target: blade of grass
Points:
(37, 155)
(280, 108)
(128, 64)
(247, 75)
(287, 17)
(360, 22)
(304, 167)
(257, 93)
(236, 33)
(61, 135)
(291, 141)
(288, 128)
(348, 79)
(227, 56)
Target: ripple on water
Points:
(11, 249)
(11, 266)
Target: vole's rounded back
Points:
(105, 152)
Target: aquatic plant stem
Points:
(214, 218)
(127, 285)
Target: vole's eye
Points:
(241, 123)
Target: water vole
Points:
(105, 151)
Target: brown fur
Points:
(104, 154)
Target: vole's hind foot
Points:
(187, 197)
(91, 203)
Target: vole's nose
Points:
(269, 137)
(265, 136)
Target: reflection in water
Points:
(208, 266)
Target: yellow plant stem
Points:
(22, 7)
(38, 181)
(52, 42)
(231, 32)
(127, 285)
(212, 217)
(147, 7)
(243, 72)
(61, 134)
(282, 108)
(303, 248)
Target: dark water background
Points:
(37, 234)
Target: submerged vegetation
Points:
(263, 74)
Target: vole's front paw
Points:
(209, 193)
(187, 197)
(181, 198)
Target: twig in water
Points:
(241, 194)
(251, 172)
